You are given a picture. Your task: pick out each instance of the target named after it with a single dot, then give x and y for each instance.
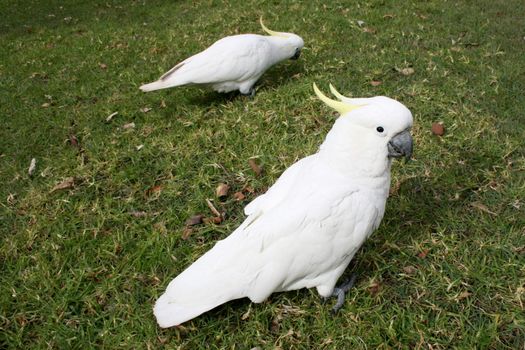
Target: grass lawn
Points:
(82, 266)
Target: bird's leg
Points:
(340, 291)
(250, 93)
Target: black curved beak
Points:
(296, 54)
(401, 146)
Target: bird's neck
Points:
(354, 156)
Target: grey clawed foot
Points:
(250, 93)
(340, 292)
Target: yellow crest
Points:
(340, 107)
(271, 32)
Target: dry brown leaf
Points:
(438, 129)
(138, 213)
(73, 140)
(212, 220)
(186, 233)
(424, 253)
(66, 184)
(248, 189)
(375, 83)
(482, 207)
(152, 190)
(409, 270)
(389, 16)
(255, 167)
(463, 295)
(369, 30)
(145, 109)
(103, 65)
(195, 220)
(222, 191)
(407, 71)
(239, 196)
(128, 126)
(46, 105)
(374, 288)
(212, 208)
(162, 104)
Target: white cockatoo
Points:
(303, 232)
(232, 63)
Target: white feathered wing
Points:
(227, 65)
(291, 239)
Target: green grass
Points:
(446, 269)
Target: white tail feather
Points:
(169, 313)
(156, 85)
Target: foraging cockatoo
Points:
(232, 63)
(305, 229)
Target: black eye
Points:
(380, 129)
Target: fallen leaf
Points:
(389, 16)
(66, 184)
(195, 220)
(248, 189)
(374, 288)
(139, 147)
(213, 220)
(464, 295)
(153, 190)
(255, 167)
(360, 23)
(482, 207)
(423, 254)
(275, 324)
(239, 196)
(138, 214)
(407, 71)
(395, 188)
(409, 270)
(145, 109)
(438, 129)
(46, 105)
(186, 233)
(222, 191)
(369, 30)
(247, 313)
(375, 83)
(103, 65)
(108, 119)
(212, 208)
(73, 140)
(32, 167)
(128, 126)
(162, 104)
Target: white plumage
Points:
(307, 227)
(232, 63)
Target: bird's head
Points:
(290, 44)
(374, 129)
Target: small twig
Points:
(212, 208)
